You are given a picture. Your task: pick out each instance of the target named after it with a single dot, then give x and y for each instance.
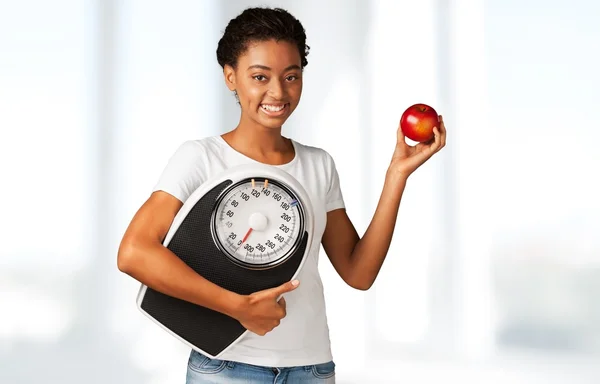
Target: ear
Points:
(229, 74)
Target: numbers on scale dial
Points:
(259, 222)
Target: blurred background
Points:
(494, 271)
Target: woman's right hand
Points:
(261, 311)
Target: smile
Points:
(274, 110)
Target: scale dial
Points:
(258, 223)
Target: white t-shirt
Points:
(302, 338)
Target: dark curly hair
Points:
(260, 24)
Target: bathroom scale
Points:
(246, 229)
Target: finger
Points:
(426, 150)
(437, 140)
(443, 131)
(428, 147)
(285, 287)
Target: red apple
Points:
(418, 121)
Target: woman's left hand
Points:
(408, 158)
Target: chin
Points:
(272, 125)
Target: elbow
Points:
(358, 279)
(360, 285)
(126, 257)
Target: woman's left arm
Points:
(358, 260)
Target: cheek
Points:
(253, 93)
(295, 91)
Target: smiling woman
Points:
(267, 81)
(263, 53)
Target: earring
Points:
(236, 96)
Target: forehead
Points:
(274, 54)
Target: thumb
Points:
(401, 145)
(282, 303)
(400, 135)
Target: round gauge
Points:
(258, 222)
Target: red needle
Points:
(246, 236)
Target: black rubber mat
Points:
(204, 328)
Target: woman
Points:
(263, 53)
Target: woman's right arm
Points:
(143, 256)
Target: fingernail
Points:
(295, 282)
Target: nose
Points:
(276, 89)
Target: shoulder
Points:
(314, 153)
(208, 142)
(193, 155)
(198, 147)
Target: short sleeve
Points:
(334, 199)
(183, 173)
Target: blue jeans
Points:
(202, 369)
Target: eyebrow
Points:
(264, 67)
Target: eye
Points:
(259, 78)
(291, 78)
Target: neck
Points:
(265, 145)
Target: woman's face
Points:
(268, 82)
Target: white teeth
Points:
(272, 108)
